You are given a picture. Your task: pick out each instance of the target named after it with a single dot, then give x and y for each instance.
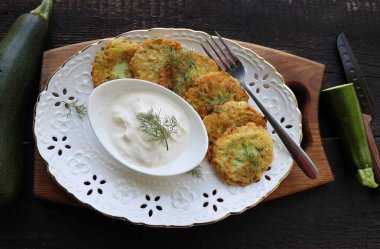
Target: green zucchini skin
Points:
(346, 113)
(20, 61)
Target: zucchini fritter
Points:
(120, 43)
(212, 90)
(183, 68)
(241, 155)
(149, 60)
(113, 61)
(231, 114)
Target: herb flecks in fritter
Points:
(183, 68)
(241, 155)
(149, 61)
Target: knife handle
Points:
(372, 146)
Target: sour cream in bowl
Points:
(147, 127)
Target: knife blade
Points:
(354, 74)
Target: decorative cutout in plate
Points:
(85, 167)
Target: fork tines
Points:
(225, 60)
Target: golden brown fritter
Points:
(212, 90)
(183, 68)
(119, 43)
(241, 155)
(113, 61)
(231, 114)
(149, 60)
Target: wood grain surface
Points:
(341, 214)
(372, 146)
(302, 75)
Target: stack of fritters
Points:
(240, 147)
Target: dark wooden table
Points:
(342, 214)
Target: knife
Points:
(354, 75)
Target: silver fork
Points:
(230, 63)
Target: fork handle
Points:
(299, 155)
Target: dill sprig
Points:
(173, 59)
(181, 60)
(155, 128)
(81, 110)
(180, 63)
(196, 172)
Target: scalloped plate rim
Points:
(44, 91)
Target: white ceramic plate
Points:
(84, 169)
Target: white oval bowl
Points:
(193, 152)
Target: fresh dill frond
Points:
(81, 110)
(155, 128)
(180, 64)
(182, 61)
(173, 57)
(190, 60)
(183, 83)
(196, 172)
(253, 154)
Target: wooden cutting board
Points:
(303, 76)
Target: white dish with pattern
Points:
(82, 167)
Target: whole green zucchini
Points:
(20, 61)
(345, 111)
